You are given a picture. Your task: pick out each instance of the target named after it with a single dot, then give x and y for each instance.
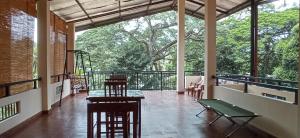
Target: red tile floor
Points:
(164, 115)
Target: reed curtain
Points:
(58, 30)
(16, 42)
(17, 28)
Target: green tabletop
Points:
(130, 93)
(99, 95)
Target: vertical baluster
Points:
(11, 109)
(161, 81)
(5, 114)
(15, 108)
(34, 84)
(8, 111)
(137, 80)
(98, 78)
(2, 112)
(296, 97)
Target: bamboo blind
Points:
(58, 45)
(16, 42)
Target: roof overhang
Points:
(88, 14)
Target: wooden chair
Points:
(118, 77)
(113, 108)
(194, 87)
(191, 88)
(199, 90)
(116, 122)
(115, 87)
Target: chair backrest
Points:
(112, 108)
(115, 88)
(118, 77)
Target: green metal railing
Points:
(140, 80)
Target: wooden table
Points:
(132, 95)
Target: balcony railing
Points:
(140, 80)
(287, 86)
(7, 86)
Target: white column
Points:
(43, 19)
(210, 47)
(180, 46)
(298, 94)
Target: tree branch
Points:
(188, 35)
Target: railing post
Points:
(161, 83)
(296, 97)
(88, 80)
(34, 84)
(217, 81)
(7, 91)
(137, 80)
(246, 88)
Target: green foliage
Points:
(149, 43)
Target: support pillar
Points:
(254, 34)
(298, 119)
(43, 20)
(210, 47)
(180, 46)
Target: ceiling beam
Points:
(150, 2)
(173, 4)
(119, 8)
(79, 4)
(116, 11)
(74, 6)
(197, 9)
(243, 6)
(124, 18)
(191, 13)
(202, 4)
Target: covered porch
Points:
(30, 105)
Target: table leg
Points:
(90, 124)
(140, 118)
(98, 124)
(136, 120)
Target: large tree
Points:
(146, 43)
(149, 43)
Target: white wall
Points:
(55, 96)
(278, 118)
(30, 104)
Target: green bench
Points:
(227, 110)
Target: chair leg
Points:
(107, 124)
(135, 123)
(125, 125)
(98, 124)
(112, 125)
(90, 125)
